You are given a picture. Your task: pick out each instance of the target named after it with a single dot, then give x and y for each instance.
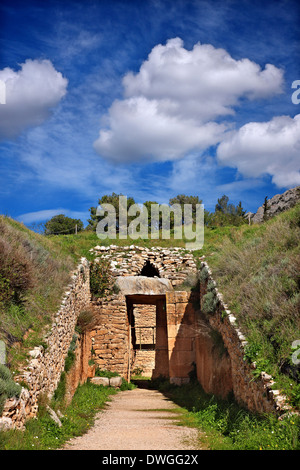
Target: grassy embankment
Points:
(257, 270)
(33, 276)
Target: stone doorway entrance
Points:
(146, 325)
(147, 335)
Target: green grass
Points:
(43, 433)
(80, 244)
(224, 425)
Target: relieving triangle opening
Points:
(149, 270)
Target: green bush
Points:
(210, 302)
(105, 373)
(100, 280)
(8, 388)
(5, 373)
(203, 276)
(61, 224)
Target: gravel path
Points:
(138, 419)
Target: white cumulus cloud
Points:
(259, 148)
(31, 93)
(170, 106)
(140, 128)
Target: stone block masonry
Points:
(181, 326)
(175, 264)
(43, 371)
(110, 337)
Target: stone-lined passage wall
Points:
(258, 395)
(181, 308)
(43, 371)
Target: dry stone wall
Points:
(174, 264)
(43, 371)
(258, 394)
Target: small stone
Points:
(266, 377)
(6, 424)
(115, 381)
(36, 352)
(100, 381)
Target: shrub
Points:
(100, 279)
(16, 272)
(61, 224)
(86, 320)
(210, 302)
(5, 373)
(203, 276)
(8, 388)
(105, 373)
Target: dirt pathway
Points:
(138, 419)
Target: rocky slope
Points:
(277, 204)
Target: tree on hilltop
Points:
(227, 213)
(62, 225)
(112, 199)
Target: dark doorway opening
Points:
(158, 342)
(149, 270)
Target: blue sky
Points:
(148, 98)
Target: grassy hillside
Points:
(33, 276)
(257, 270)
